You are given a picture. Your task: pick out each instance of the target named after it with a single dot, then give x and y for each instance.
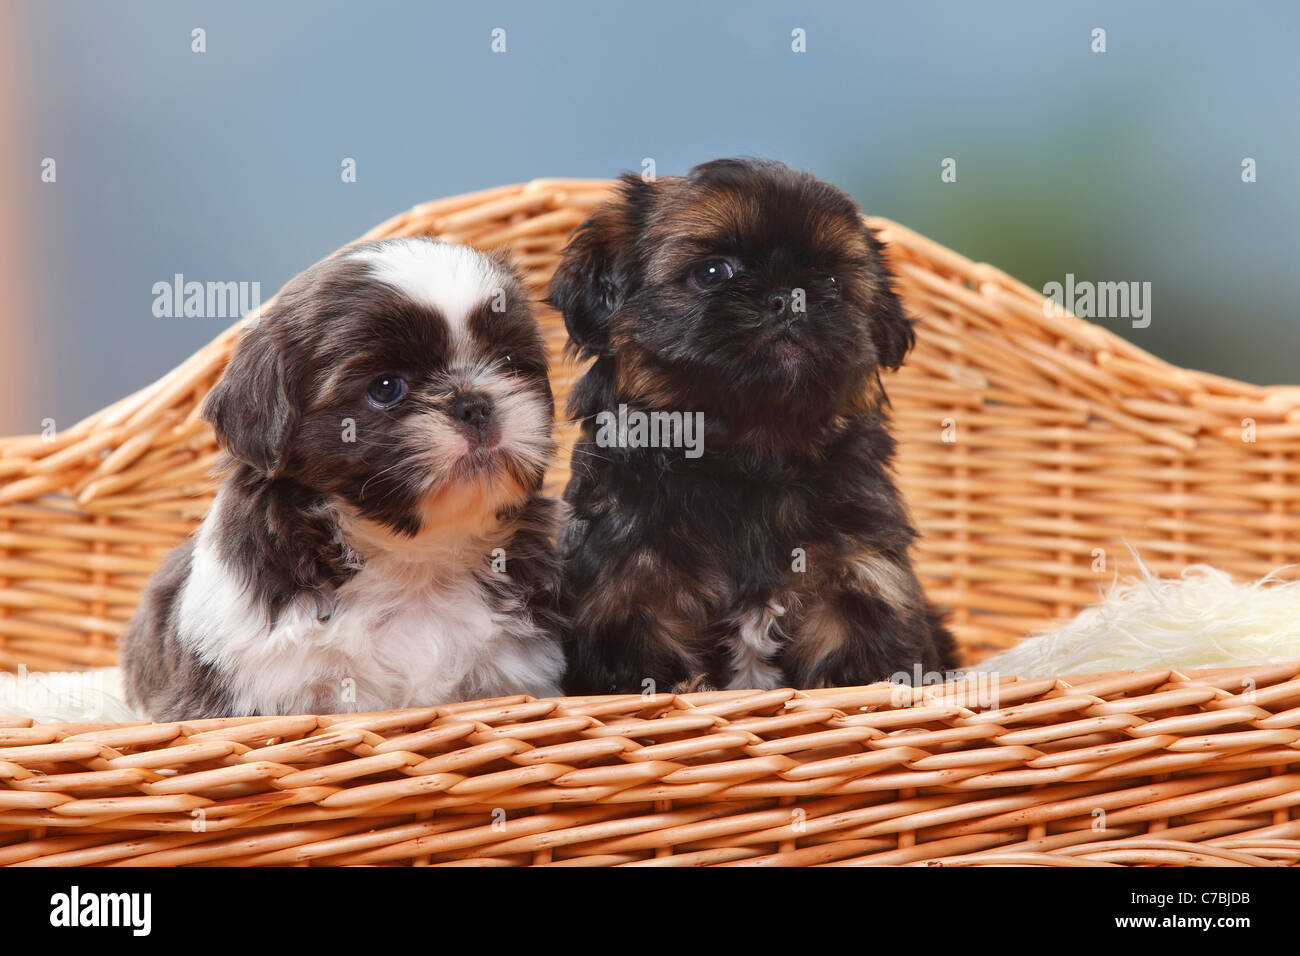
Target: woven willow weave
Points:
(1122, 768)
(1035, 450)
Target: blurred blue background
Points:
(225, 165)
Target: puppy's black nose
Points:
(776, 303)
(471, 410)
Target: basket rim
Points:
(905, 695)
(1192, 767)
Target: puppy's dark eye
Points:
(833, 287)
(387, 390)
(712, 272)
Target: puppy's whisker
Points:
(379, 474)
(587, 450)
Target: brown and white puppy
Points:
(753, 300)
(379, 540)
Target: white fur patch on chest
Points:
(753, 646)
(402, 633)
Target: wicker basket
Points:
(1034, 450)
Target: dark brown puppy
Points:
(751, 300)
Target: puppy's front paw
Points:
(695, 684)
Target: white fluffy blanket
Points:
(66, 697)
(1203, 619)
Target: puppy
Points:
(378, 540)
(754, 300)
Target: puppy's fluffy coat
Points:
(780, 557)
(378, 540)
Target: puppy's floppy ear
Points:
(599, 268)
(891, 329)
(251, 408)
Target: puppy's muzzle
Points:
(782, 310)
(472, 412)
